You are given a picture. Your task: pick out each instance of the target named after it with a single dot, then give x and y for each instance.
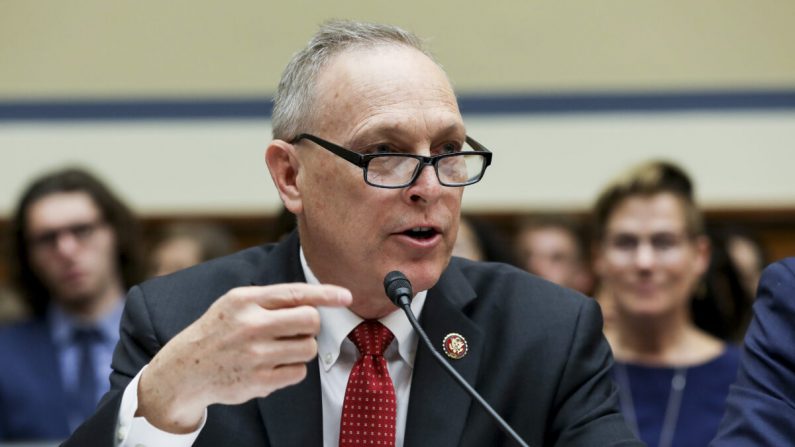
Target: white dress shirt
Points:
(336, 356)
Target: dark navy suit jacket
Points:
(536, 353)
(761, 404)
(32, 400)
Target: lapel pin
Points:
(455, 346)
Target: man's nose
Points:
(426, 187)
(66, 243)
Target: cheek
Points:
(320, 195)
(685, 278)
(43, 265)
(103, 254)
(610, 270)
(343, 209)
(452, 202)
(328, 186)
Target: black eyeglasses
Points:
(463, 166)
(82, 232)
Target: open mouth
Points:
(421, 233)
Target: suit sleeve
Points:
(761, 403)
(137, 345)
(587, 399)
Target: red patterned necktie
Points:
(368, 412)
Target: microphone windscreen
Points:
(397, 285)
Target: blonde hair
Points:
(648, 179)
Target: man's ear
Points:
(284, 167)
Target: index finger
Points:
(280, 296)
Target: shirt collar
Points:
(62, 325)
(337, 322)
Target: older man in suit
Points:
(761, 403)
(371, 154)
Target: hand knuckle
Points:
(310, 318)
(234, 297)
(294, 373)
(310, 348)
(294, 295)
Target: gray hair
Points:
(292, 104)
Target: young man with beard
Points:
(74, 253)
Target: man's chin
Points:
(423, 276)
(76, 301)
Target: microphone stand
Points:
(404, 302)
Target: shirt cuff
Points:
(134, 431)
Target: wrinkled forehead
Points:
(391, 85)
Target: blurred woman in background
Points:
(651, 254)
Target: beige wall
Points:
(161, 49)
(186, 47)
(551, 163)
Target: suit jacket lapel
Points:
(284, 263)
(438, 406)
(294, 415)
(45, 363)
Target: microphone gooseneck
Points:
(398, 289)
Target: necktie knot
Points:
(371, 337)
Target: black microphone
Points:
(398, 289)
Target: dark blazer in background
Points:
(536, 354)
(32, 397)
(761, 404)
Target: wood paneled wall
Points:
(775, 228)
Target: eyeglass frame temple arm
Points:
(362, 160)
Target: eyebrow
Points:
(649, 235)
(69, 224)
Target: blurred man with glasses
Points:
(75, 250)
(297, 344)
